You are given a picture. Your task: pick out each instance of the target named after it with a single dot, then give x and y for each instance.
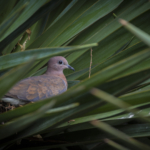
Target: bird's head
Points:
(59, 63)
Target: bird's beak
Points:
(70, 67)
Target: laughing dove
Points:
(52, 83)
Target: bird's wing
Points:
(37, 88)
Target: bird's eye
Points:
(60, 62)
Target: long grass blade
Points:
(120, 135)
(118, 102)
(115, 145)
(136, 31)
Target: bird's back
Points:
(38, 87)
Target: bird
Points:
(36, 88)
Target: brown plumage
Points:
(52, 83)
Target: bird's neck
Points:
(56, 74)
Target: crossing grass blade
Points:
(136, 31)
(120, 135)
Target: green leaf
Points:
(63, 108)
(19, 124)
(115, 145)
(21, 57)
(134, 130)
(72, 83)
(31, 8)
(123, 47)
(78, 21)
(135, 98)
(125, 84)
(117, 102)
(39, 72)
(108, 116)
(28, 23)
(107, 28)
(49, 121)
(136, 31)
(77, 74)
(120, 135)
(5, 8)
(6, 24)
(124, 54)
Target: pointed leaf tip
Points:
(123, 22)
(95, 122)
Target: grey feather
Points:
(13, 101)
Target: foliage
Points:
(33, 31)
